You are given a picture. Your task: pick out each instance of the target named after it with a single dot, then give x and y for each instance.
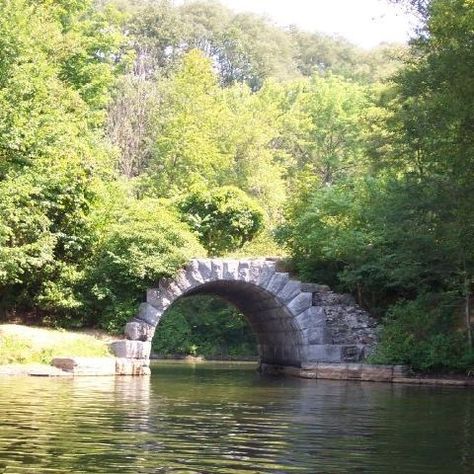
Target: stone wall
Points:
(347, 322)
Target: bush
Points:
(224, 219)
(204, 325)
(147, 242)
(421, 334)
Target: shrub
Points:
(421, 334)
(224, 219)
(147, 242)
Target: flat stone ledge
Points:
(362, 373)
(93, 366)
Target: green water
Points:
(225, 418)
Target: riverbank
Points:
(26, 350)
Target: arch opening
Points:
(206, 326)
(279, 339)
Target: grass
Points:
(26, 345)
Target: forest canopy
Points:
(135, 135)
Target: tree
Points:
(224, 218)
(402, 238)
(190, 145)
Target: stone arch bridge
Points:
(295, 323)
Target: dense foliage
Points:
(136, 135)
(400, 233)
(224, 219)
(207, 326)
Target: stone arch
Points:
(289, 318)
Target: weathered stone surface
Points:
(317, 335)
(299, 303)
(312, 317)
(277, 282)
(131, 349)
(155, 298)
(323, 353)
(182, 281)
(149, 314)
(124, 366)
(170, 290)
(243, 272)
(193, 273)
(376, 373)
(348, 323)
(313, 287)
(352, 353)
(230, 270)
(361, 372)
(205, 268)
(255, 271)
(289, 291)
(266, 273)
(338, 371)
(217, 269)
(139, 331)
(93, 366)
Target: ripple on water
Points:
(225, 418)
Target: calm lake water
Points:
(225, 418)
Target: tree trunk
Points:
(467, 309)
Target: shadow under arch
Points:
(279, 338)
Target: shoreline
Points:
(322, 371)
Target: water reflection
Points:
(218, 418)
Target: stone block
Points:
(193, 273)
(323, 353)
(230, 270)
(205, 268)
(169, 289)
(299, 303)
(156, 299)
(266, 273)
(339, 371)
(255, 270)
(139, 331)
(400, 371)
(317, 335)
(243, 271)
(149, 314)
(131, 349)
(289, 291)
(277, 282)
(352, 353)
(182, 282)
(312, 317)
(217, 269)
(376, 373)
(125, 366)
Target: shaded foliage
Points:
(204, 325)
